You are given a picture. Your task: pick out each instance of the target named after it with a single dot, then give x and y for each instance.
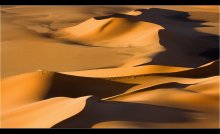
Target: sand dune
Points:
(116, 32)
(110, 67)
(128, 30)
(126, 71)
(136, 96)
(113, 32)
(193, 37)
(101, 111)
(43, 85)
(36, 115)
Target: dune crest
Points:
(41, 114)
(113, 32)
(110, 67)
(39, 85)
(126, 71)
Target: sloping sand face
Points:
(36, 115)
(110, 67)
(113, 32)
(192, 37)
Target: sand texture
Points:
(110, 67)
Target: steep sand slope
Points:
(151, 93)
(26, 51)
(100, 111)
(162, 39)
(116, 32)
(35, 86)
(113, 32)
(197, 94)
(126, 71)
(162, 67)
(191, 87)
(27, 88)
(43, 114)
(30, 47)
(32, 26)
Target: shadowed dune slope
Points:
(212, 69)
(140, 106)
(113, 32)
(179, 36)
(148, 35)
(39, 85)
(146, 68)
(99, 111)
(127, 71)
(207, 70)
(175, 36)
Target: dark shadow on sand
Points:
(97, 111)
(184, 46)
(169, 85)
(75, 86)
(201, 72)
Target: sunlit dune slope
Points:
(110, 67)
(113, 32)
(35, 86)
(127, 71)
(43, 114)
(121, 97)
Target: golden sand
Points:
(110, 67)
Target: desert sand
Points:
(110, 67)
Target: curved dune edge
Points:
(127, 71)
(168, 84)
(35, 86)
(144, 109)
(207, 87)
(27, 32)
(35, 108)
(43, 114)
(158, 95)
(112, 32)
(116, 32)
(24, 89)
(144, 70)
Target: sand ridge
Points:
(110, 67)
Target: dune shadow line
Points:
(184, 45)
(97, 111)
(75, 86)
